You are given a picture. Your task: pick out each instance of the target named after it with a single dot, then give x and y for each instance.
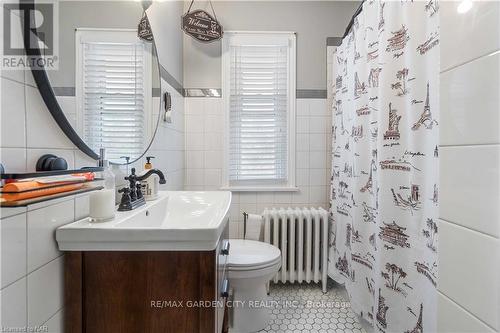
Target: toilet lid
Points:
(251, 253)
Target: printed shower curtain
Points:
(384, 185)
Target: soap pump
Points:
(150, 185)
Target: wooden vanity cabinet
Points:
(146, 291)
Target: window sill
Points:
(260, 188)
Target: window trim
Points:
(230, 37)
(113, 35)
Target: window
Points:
(113, 91)
(259, 98)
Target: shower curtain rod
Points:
(351, 22)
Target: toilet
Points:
(251, 264)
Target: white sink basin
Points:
(176, 221)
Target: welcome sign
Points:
(201, 26)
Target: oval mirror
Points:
(104, 91)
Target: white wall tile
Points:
(302, 124)
(81, 207)
(302, 107)
(317, 107)
(302, 177)
(195, 177)
(317, 124)
(469, 192)
(29, 79)
(13, 159)
(42, 130)
(213, 159)
(302, 159)
(233, 229)
(265, 197)
(195, 159)
(194, 123)
(13, 74)
(12, 112)
(248, 197)
(241, 229)
(317, 177)
(17, 41)
(302, 142)
(470, 35)
(234, 212)
(56, 323)
(45, 292)
(317, 142)
(13, 247)
(213, 123)
(214, 141)
(470, 103)
(282, 198)
(11, 211)
(212, 179)
(191, 188)
(469, 273)
(452, 318)
(317, 195)
(194, 106)
(214, 106)
(13, 305)
(194, 141)
(317, 160)
(42, 223)
(262, 206)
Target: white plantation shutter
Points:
(259, 107)
(113, 95)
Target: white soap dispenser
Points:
(150, 185)
(102, 202)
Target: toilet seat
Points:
(251, 255)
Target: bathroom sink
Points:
(176, 221)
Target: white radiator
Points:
(302, 237)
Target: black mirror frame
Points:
(48, 95)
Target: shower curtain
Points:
(384, 184)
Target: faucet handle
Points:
(126, 195)
(124, 190)
(126, 201)
(139, 190)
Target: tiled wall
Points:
(204, 158)
(31, 266)
(469, 230)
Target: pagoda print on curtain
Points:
(384, 185)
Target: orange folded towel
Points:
(31, 186)
(37, 192)
(73, 178)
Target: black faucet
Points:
(149, 173)
(132, 196)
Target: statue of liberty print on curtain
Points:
(384, 184)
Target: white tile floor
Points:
(307, 309)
